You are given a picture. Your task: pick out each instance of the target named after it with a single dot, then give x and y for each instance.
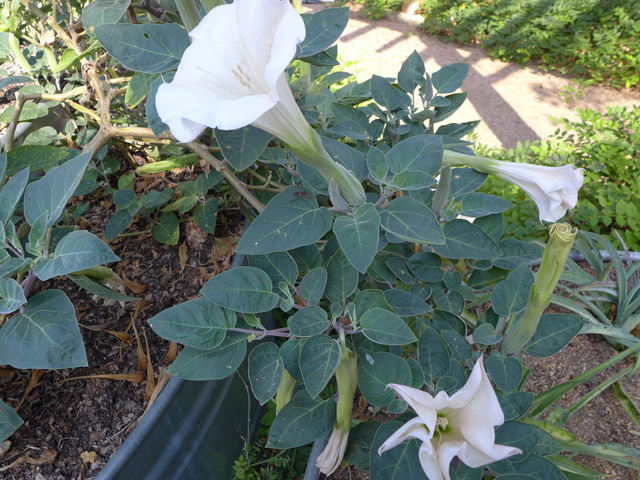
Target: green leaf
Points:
(505, 372)
(100, 12)
(38, 236)
(76, 251)
(265, 371)
(290, 354)
(520, 435)
(153, 119)
(464, 180)
(10, 421)
(377, 165)
(399, 463)
(465, 472)
(195, 364)
(287, 222)
(426, 266)
(349, 157)
(444, 320)
(511, 295)
(481, 205)
(11, 194)
(399, 268)
(540, 468)
(11, 295)
(384, 93)
(554, 332)
(369, 299)
(99, 289)
(242, 289)
(358, 235)
(168, 230)
(320, 357)
(547, 445)
(242, 147)
(147, 48)
(411, 221)
(51, 192)
(485, 335)
(378, 369)
(5, 82)
(493, 225)
(459, 346)
(382, 326)
(433, 355)
(197, 323)
(308, 321)
(313, 284)
(45, 335)
(279, 266)
(411, 73)
(484, 279)
(342, 278)
(35, 157)
(416, 160)
(450, 77)
(30, 111)
(301, 421)
(466, 240)
(451, 302)
(139, 87)
(515, 252)
(406, 304)
(206, 215)
(359, 444)
(516, 405)
(456, 99)
(14, 266)
(323, 29)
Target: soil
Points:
(75, 427)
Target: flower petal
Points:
(331, 457)
(430, 463)
(413, 429)
(420, 401)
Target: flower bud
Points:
(285, 390)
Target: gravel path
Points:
(514, 103)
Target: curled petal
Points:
(420, 401)
(331, 457)
(413, 429)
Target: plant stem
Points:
(260, 333)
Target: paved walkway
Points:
(515, 104)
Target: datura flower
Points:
(460, 425)
(232, 75)
(554, 189)
(347, 378)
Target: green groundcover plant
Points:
(607, 146)
(599, 40)
(358, 242)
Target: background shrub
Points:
(596, 39)
(607, 146)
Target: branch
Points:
(51, 21)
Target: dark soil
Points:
(79, 424)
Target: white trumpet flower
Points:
(460, 425)
(232, 75)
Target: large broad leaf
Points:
(539, 468)
(384, 93)
(358, 235)
(76, 251)
(450, 77)
(381, 326)
(36, 157)
(411, 73)
(153, 118)
(323, 29)
(10, 421)
(554, 332)
(242, 289)
(368, 299)
(290, 354)
(378, 369)
(279, 266)
(45, 335)
(516, 405)
(520, 435)
(101, 12)
(313, 284)
(411, 221)
(426, 266)
(511, 295)
(466, 240)
(505, 372)
(51, 192)
(11, 194)
(195, 364)
(242, 147)
(349, 157)
(265, 371)
(406, 304)
(11, 295)
(319, 359)
(309, 321)
(301, 421)
(342, 278)
(139, 88)
(359, 444)
(147, 48)
(399, 463)
(290, 220)
(464, 180)
(433, 355)
(515, 252)
(481, 205)
(415, 160)
(197, 323)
